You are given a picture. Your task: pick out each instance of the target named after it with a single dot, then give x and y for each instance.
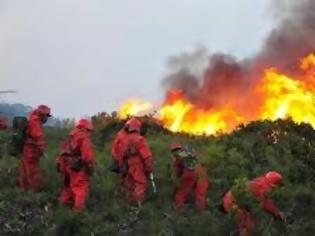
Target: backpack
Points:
(130, 149)
(189, 159)
(17, 136)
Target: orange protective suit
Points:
(138, 156)
(75, 166)
(259, 187)
(30, 175)
(193, 183)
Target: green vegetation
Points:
(230, 161)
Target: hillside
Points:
(236, 157)
(12, 110)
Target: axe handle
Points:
(153, 182)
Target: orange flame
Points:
(133, 108)
(179, 115)
(278, 96)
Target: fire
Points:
(133, 108)
(182, 116)
(308, 62)
(276, 95)
(287, 98)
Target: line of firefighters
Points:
(133, 164)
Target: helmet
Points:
(274, 178)
(176, 146)
(84, 124)
(43, 110)
(134, 125)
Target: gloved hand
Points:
(114, 166)
(148, 165)
(279, 216)
(123, 169)
(221, 208)
(58, 168)
(90, 169)
(77, 165)
(41, 151)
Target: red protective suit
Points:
(30, 176)
(76, 182)
(3, 123)
(193, 183)
(117, 146)
(138, 156)
(117, 156)
(259, 187)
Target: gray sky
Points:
(85, 56)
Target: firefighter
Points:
(192, 176)
(259, 188)
(117, 161)
(117, 148)
(76, 165)
(30, 175)
(136, 156)
(3, 123)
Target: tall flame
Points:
(276, 94)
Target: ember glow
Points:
(275, 95)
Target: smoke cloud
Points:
(217, 79)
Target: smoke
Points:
(185, 71)
(293, 38)
(216, 80)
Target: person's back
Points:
(260, 188)
(135, 149)
(34, 138)
(81, 144)
(117, 147)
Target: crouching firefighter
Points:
(75, 165)
(192, 176)
(259, 188)
(136, 163)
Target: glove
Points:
(114, 167)
(89, 169)
(123, 170)
(58, 167)
(148, 165)
(281, 216)
(41, 151)
(221, 208)
(77, 165)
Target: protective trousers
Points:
(135, 183)
(75, 188)
(30, 175)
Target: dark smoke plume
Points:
(218, 79)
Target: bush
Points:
(230, 161)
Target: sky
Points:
(85, 56)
